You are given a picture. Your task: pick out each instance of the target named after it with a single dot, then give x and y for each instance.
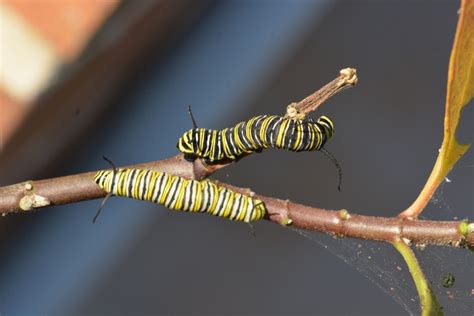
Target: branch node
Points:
(466, 228)
(282, 216)
(28, 186)
(31, 201)
(286, 221)
(344, 214)
(348, 76)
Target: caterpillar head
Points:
(259, 210)
(327, 125)
(186, 143)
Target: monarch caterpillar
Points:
(258, 133)
(178, 193)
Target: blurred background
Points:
(84, 78)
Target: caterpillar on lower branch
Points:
(180, 194)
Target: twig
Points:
(75, 188)
(346, 79)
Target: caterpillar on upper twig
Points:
(258, 133)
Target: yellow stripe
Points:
(238, 143)
(215, 192)
(152, 185)
(180, 199)
(230, 204)
(201, 138)
(248, 131)
(320, 136)
(118, 177)
(299, 134)
(281, 133)
(263, 129)
(167, 182)
(198, 197)
(225, 145)
(212, 143)
(109, 183)
(243, 209)
(141, 174)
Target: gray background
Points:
(240, 59)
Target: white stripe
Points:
(205, 194)
(224, 204)
(141, 187)
(237, 204)
(246, 142)
(220, 200)
(174, 186)
(186, 196)
(208, 141)
(249, 210)
(193, 200)
(272, 130)
(219, 141)
(256, 131)
(231, 141)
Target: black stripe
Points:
(230, 148)
(176, 190)
(195, 141)
(146, 187)
(158, 186)
(131, 183)
(218, 155)
(238, 207)
(290, 134)
(209, 200)
(256, 131)
(306, 135)
(190, 198)
(246, 143)
(273, 129)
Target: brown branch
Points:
(75, 188)
(346, 79)
(29, 195)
